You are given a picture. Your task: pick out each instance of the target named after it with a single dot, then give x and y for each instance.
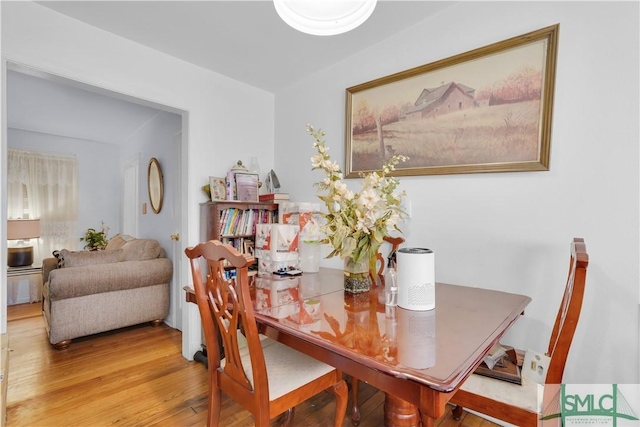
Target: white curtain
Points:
(51, 185)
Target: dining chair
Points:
(264, 376)
(522, 404)
(380, 263)
(395, 245)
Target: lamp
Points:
(324, 17)
(21, 254)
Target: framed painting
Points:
(246, 186)
(218, 188)
(486, 110)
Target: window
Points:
(44, 186)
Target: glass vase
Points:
(356, 276)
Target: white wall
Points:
(227, 120)
(511, 231)
(156, 139)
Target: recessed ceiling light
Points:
(324, 17)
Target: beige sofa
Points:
(88, 292)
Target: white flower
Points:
(368, 198)
(357, 222)
(316, 160)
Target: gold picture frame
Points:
(486, 110)
(155, 185)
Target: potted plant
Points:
(96, 240)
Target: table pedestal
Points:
(400, 413)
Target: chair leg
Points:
(288, 417)
(355, 411)
(457, 412)
(213, 416)
(341, 392)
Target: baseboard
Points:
(23, 300)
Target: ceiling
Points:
(244, 40)
(53, 107)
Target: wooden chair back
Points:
(226, 310)
(486, 395)
(395, 245)
(225, 307)
(568, 315)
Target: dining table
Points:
(417, 358)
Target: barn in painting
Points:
(444, 99)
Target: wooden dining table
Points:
(418, 358)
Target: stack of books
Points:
(274, 197)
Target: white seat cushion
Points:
(287, 369)
(527, 396)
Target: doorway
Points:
(130, 196)
(129, 216)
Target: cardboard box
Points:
(276, 248)
(284, 241)
(303, 214)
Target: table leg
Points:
(400, 413)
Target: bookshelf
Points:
(234, 222)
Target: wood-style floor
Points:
(136, 377)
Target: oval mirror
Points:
(156, 187)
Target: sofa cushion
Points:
(118, 241)
(140, 250)
(94, 279)
(80, 258)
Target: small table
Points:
(23, 271)
(418, 358)
(35, 284)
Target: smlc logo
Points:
(594, 405)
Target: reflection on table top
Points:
(437, 348)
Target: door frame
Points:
(130, 204)
(8, 63)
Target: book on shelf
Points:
(248, 222)
(228, 221)
(241, 222)
(274, 197)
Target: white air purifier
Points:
(416, 278)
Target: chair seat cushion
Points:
(282, 361)
(527, 396)
(287, 369)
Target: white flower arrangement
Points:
(357, 222)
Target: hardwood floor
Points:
(136, 377)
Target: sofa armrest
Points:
(72, 282)
(48, 265)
